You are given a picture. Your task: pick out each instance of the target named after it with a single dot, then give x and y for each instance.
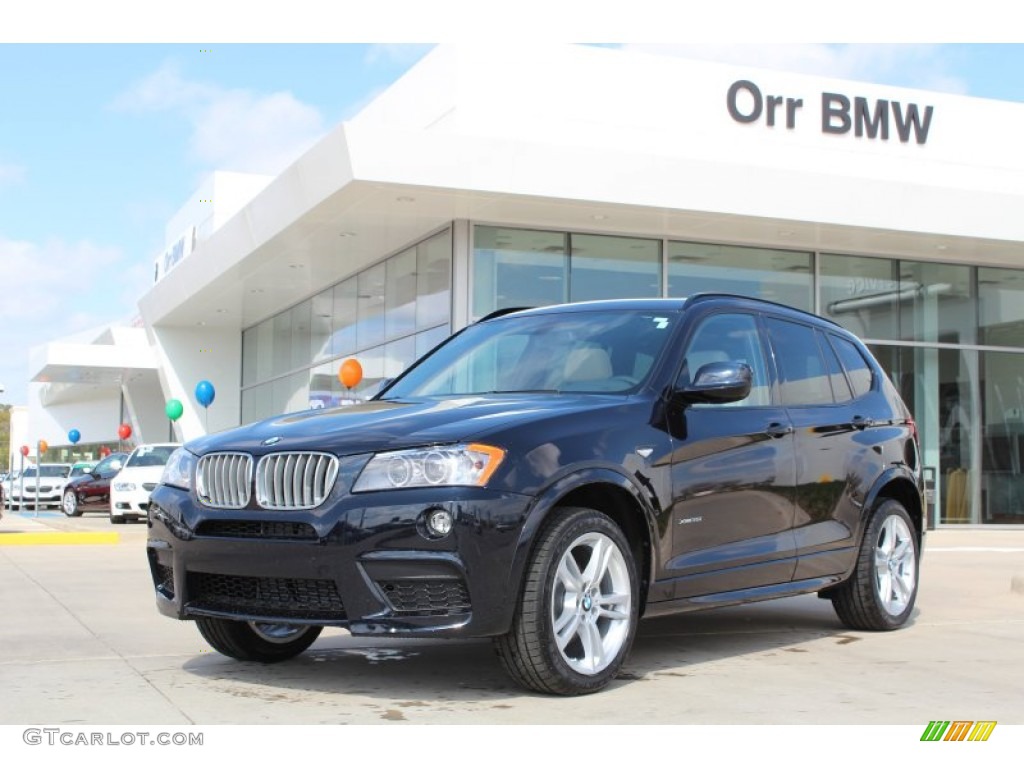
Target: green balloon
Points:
(174, 410)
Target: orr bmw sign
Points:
(878, 119)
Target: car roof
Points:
(661, 305)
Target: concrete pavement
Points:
(81, 642)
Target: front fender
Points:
(551, 497)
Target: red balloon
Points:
(124, 431)
(24, 450)
(350, 373)
(104, 451)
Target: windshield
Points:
(587, 351)
(48, 471)
(150, 456)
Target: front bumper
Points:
(49, 499)
(129, 504)
(364, 562)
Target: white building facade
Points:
(487, 178)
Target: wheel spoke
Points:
(568, 631)
(593, 647)
(597, 565)
(885, 588)
(569, 574)
(567, 616)
(614, 606)
(902, 550)
(881, 561)
(903, 584)
(886, 537)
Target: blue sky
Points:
(101, 144)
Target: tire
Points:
(70, 504)
(117, 520)
(579, 608)
(880, 594)
(257, 641)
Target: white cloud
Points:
(918, 66)
(41, 282)
(232, 129)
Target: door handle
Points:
(863, 422)
(777, 429)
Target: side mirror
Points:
(723, 382)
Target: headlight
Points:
(423, 467)
(124, 487)
(178, 470)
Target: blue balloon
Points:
(74, 436)
(205, 393)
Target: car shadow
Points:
(415, 672)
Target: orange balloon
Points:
(350, 373)
(43, 446)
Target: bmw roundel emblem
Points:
(272, 441)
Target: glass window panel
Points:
(256, 353)
(370, 304)
(300, 342)
(840, 386)
(936, 303)
(291, 393)
(434, 280)
(400, 294)
(1001, 307)
(518, 268)
(282, 343)
(325, 390)
(346, 315)
(728, 337)
(1002, 436)
(372, 361)
(805, 379)
(257, 403)
(861, 294)
(322, 311)
(399, 355)
(614, 267)
(427, 340)
(957, 428)
(782, 276)
(856, 366)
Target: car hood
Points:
(393, 424)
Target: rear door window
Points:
(802, 368)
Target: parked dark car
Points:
(91, 490)
(546, 478)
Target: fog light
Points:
(439, 522)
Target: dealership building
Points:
(487, 178)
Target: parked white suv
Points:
(130, 488)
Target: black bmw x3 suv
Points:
(546, 477)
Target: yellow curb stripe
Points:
(57, 537)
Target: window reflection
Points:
(385, 316)
(1001, 307)
(604, 267)
(1002, 438)
(782, 276)
(861, 294)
